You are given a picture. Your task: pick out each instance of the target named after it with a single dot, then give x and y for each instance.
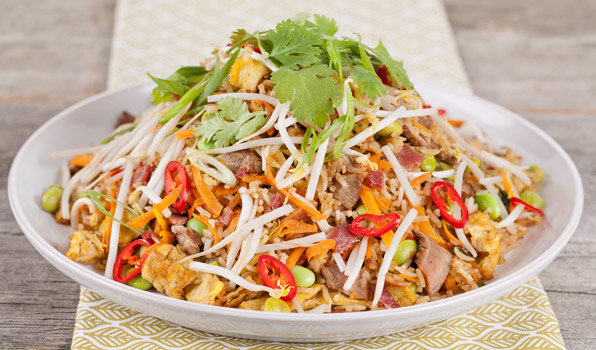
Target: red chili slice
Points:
(383, 224)
(516, 201)
(452, 196)
(276, 275)
(127, 255)
(174, 176)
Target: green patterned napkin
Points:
(160, 36)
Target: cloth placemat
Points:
(160, 36)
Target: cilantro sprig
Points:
(312, 64)
(232, 122)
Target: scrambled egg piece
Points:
(484, 239)
(311, 297)
(206, 290)
(342, 299)
(254, 304)
(85, 246)
(176, 280)
(126, 235)
(404, 296)
(246, 73)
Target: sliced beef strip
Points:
(335, 279)
(176, 219)
(408, 158)
(275, 201)
(124, 118)
(344, 239)
(348, 195)
(433, 261)
(140, 176)
(226, 216)
(426, 141)
(235, 160)
(376, 179)
(188, 239)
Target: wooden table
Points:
(537, 58)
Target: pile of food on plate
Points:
(295, 171)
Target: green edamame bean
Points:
(485, 201)
(414, 287)
(303, 276)
(538, 173)
(203, 144)
(441, 165)
(429, 163)
(50, 200)
(406, 250)
(214, 263)
(276, 305)
(532, 198)
(83, 195)
(360, 210)
(139, 283)
(196, 225)
(387, 131)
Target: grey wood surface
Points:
(535, 57)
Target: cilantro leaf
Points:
(326, 25)
(396, 68)
(294, 45)
(232, 122)
(369, 83)
(312, 91)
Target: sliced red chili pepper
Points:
(127, 256)
(516, 201)
(452, 196)
(174, 176)
(383, 73)
(383, 224)
(276, 275)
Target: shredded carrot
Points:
(383, 202)
(450, 283)
(506, 184)
(222, 191)
(381, 164)
(185, 134)
(108, 223)
(450, 237)
(290, 226)
(235, 201)
(294, 256)
(420, 179)
(456, 123)
(194, 205)
(213, 205)
(368, 199)
(426, 228)
(143, 219)
(261, 178)
(270, 131)
(233, 223)
(309, 210)
(265, 104)
(408, 278)
(81, 160)
(164, 232)
(320, 248)
(420, 126)
(368, 250)
(211, 228)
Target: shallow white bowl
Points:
(88, 122)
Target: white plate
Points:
(88, 122)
